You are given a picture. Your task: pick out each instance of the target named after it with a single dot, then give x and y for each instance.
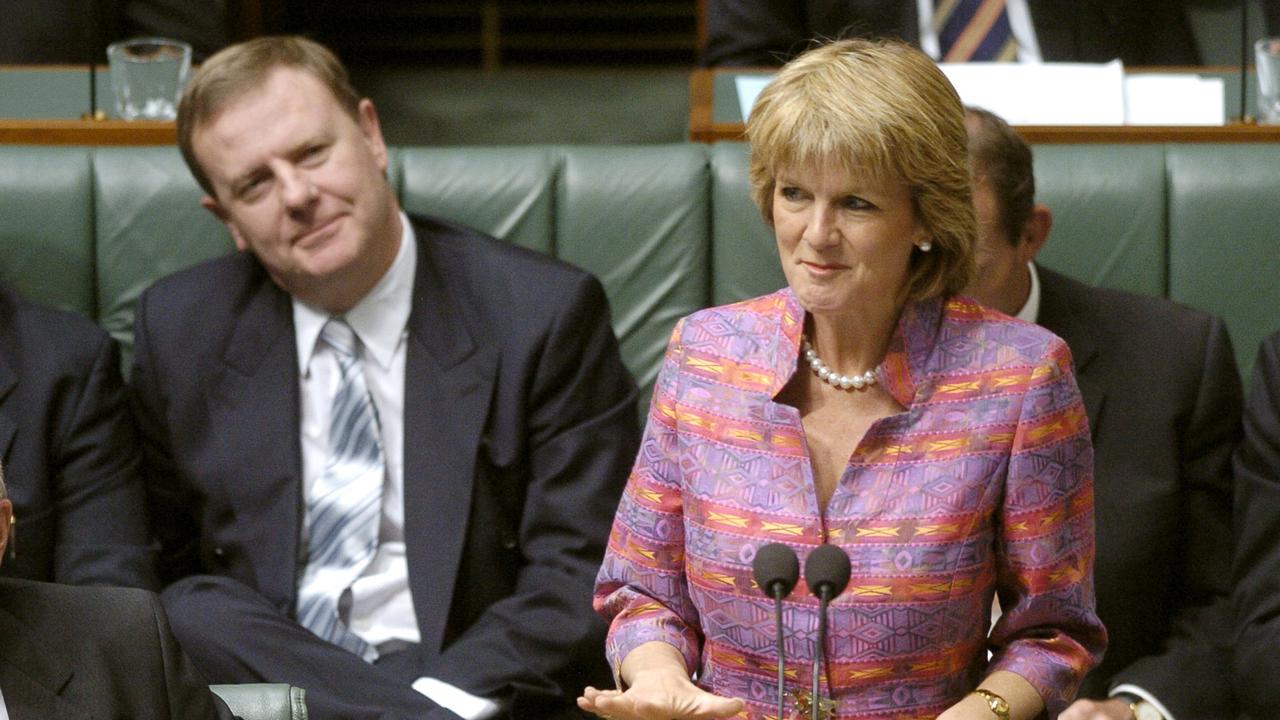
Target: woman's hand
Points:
(659, 694)
(658, 688)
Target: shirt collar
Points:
(379, 319)
(1031, 308)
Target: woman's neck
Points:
(854, 342)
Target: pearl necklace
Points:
(833, 378)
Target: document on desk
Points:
(1068, 94)
(1174, 99)
(1043, 93)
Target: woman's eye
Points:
(790, 193)
(856, 203)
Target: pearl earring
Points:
(925, 246)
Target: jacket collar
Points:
(905, 364)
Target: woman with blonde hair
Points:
(942, 446)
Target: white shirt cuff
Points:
(459, 702)
(1135, 690)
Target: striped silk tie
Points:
(974, 30)
(345, 506)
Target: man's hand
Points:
(1113, 709)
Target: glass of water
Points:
(147, 77)
(1267, 59)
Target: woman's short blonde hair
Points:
(883, 108)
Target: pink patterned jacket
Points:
(984, 485)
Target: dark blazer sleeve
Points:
(173, 509)
(73, 468)
(539, 644)
(1198, 645)
(1257, 558)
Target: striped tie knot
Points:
(338, 335)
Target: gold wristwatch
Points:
(999, 706)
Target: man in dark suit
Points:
(769, 32)
(70, 445)
(478, 384)
(78, 652)
(1257, 559)
(1163, 398)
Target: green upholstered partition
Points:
(1224, 238)
(46, 225)
(1109, 219)
(506, 192)
(149, 223)
(744, 255)
(636, 217)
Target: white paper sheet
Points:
(749, 86)
(1043, 93)
(1163, 99)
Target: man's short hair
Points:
(1002, 159)
(244, 67)
(881, 108)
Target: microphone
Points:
(776, 570)
(826, 571)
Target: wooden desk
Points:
(714, 115)
(42, 105)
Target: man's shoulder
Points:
(71, 604)
(45, 332)
(455, 243)
(1124, 314)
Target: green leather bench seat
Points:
(667, 228)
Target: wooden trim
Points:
(88, 132)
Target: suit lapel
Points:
(448, 384)
(31, 680)
(256, 403)
(1062, 314)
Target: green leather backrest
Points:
(1108, 204)
(636, 217)
(744, 256)
(1224, 240)
(1109, 221)
(668, 228)
(148, 223)
(46, 225)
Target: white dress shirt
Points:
(1024, 32)
(378, 607)
(4, 711)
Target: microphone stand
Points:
(781, 646)
(824, 599)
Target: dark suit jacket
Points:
(73, 31)
(520, 427)
(74, 653)
(1257, 561)
(769, 32)
(1163, 396)
(70, 451)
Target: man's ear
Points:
(210, 203)
(1035, 232)
(367, 118)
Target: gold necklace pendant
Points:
(804, 705)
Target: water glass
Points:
(1267, 59)
(147, 77)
